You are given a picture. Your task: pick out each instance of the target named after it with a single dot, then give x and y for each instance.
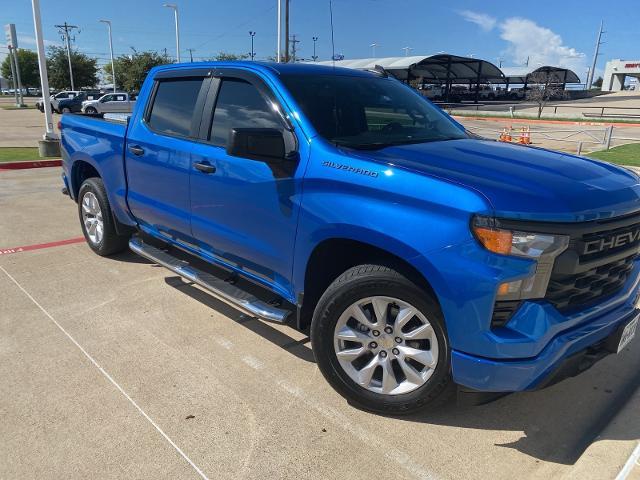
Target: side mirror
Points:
(263, 144)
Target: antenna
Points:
(333, 45)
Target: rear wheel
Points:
(66, 110)
(96, 219)
(380, 341)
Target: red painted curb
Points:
(30, 164)
(39, 246)
(535, 120)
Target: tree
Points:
(226, 57)
(85, 69)
(131, 70)
(29, 73)
(544, 86)
(598, 83)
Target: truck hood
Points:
(523, 182)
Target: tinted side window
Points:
(173, 106)
(240, 105)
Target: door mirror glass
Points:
(263, 144)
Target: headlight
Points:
(541, 247)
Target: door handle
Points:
(136, 150)
(205, 167)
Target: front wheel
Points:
(66, 110)
(96, 219)
(380, 341)
(91, 111)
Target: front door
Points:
(244, 212)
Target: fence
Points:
(586, 111)
(599, 137)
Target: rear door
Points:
(244, 211)
(160, 150)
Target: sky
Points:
(546, 31)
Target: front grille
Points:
(566, 292)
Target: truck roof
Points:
(273, 67)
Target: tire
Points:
(91, 111)
(96, 219)
(66, 110)
(357, 286)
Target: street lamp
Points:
(113, 68)
(253, 53)
(373, 49)
(314, 56)
(175, 13)
(406, 51)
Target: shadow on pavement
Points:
(297, 348)
(559, 422)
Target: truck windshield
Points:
(369, 112)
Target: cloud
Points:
(541, 45)
(31, 41)
(484, 21)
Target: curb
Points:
(614, 452)
(30, 164)
(552, 122)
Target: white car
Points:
(109, 103)
(54, 99)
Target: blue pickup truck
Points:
(421, 259)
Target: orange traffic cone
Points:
(527, 136)
(508, 137)
(503, 135)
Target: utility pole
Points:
(406, 51)
(191, 50)
(113, 68)
(252, 54)
(64, 31)
(527, 62)
(294, 49)
(373, 49)
(286, 31)
(314, 56)
(595, 56)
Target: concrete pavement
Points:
(113, 367)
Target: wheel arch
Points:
(333, 256)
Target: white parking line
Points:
(633, 461)
(108, 377)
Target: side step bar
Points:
(223, 291)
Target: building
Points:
(616, 73)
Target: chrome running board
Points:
(223, 291)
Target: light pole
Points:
(373, 49)
(175, 14)
(315, 57)
(49, 144)
(113, 68)
(279, 31)
(253, 53)
(406, 51)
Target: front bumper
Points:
(566, 354)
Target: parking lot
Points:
(115, 368)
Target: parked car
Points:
(54, 99)
(109, 103)
(74, 105)
(419, 257)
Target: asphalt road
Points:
(115, 368)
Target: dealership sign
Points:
(632, 65)
(10, 32)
